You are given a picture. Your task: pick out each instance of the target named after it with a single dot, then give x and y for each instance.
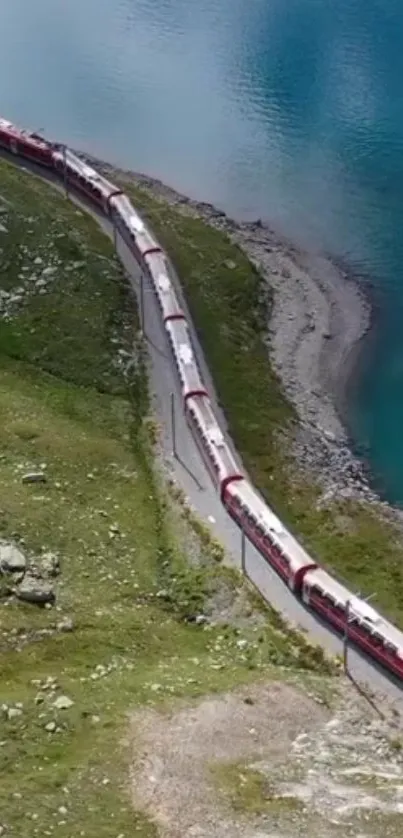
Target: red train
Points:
(315, 587)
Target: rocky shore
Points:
(318, 318)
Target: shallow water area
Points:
(287, 111)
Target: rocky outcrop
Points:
(11, 558)
(27, 580)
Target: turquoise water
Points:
(291, 110)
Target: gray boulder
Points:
(35, 590)
(11, 558)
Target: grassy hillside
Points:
(73, 400)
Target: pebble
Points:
(34, 477)
(65, 625)
(50, 727)
(14, 712)
(63, 702)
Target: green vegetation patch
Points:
(60, 276)
(230, 307)
(73, 400)
(250, 792)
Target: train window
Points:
(377, 640)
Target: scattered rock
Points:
(35, 590)
(14, 713)
(34, 477)
(50, 564)
(50, 727)
(63, 702)
(11, 558)
(65, 625)
(201, 619)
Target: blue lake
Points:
(291, 110)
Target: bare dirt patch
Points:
(270, 762)
(174, 752)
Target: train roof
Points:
(145, 238)
(331, 586)
(166, 292)
(292, 549)
(214, 434)
(262, 512)
(87, 171)
(187, 359)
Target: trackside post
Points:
(142, 303)
(349, 619)
(173, 425)
(65, 181)
(345, 638)
(243, 551)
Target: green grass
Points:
(68, 407)
(70, 329)
(230, 309)
(250, 792)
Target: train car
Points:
(131, 227)
(216, 453)
(84, 178)
(29, 145)
(276, 544)
(366, 628)
(185, 360)
(157, 267)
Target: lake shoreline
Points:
(319, 323)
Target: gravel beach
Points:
(319, 316)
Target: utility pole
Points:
(173, 425)
(243, 551)
(142, 303)
(345, 638)
(66, 188)
(349, 619)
